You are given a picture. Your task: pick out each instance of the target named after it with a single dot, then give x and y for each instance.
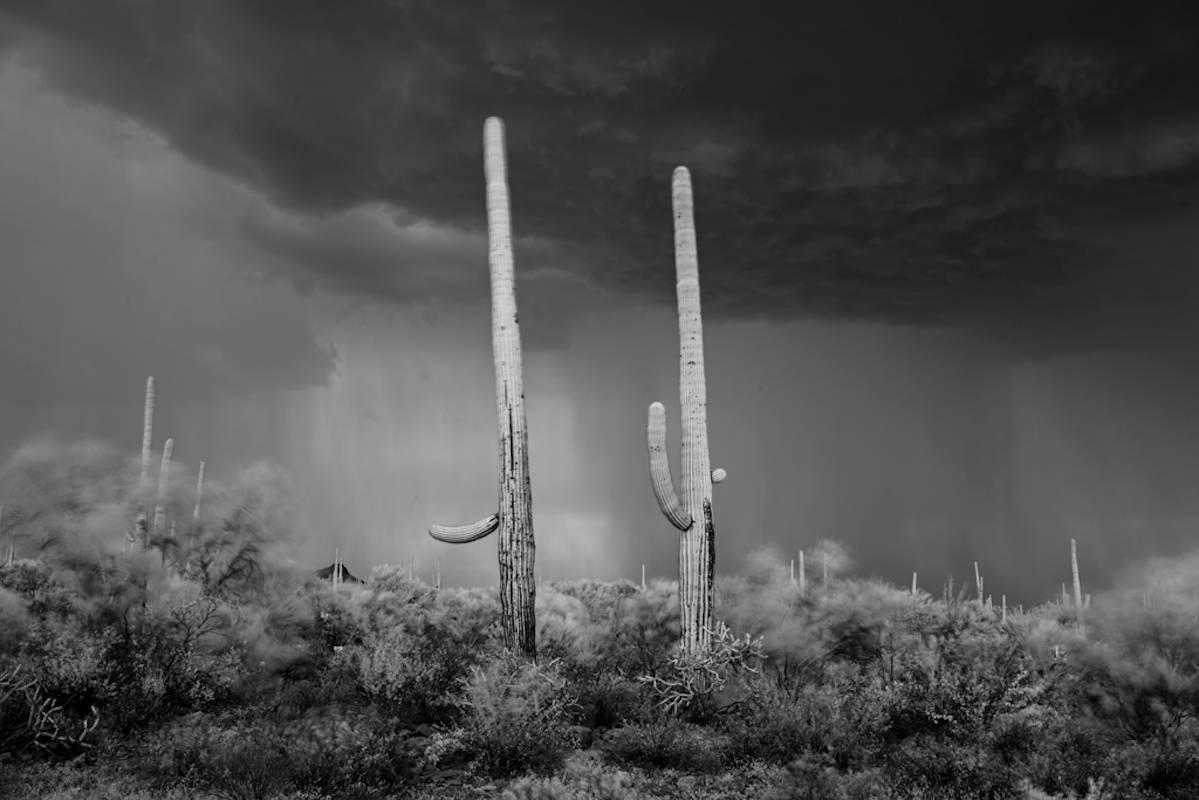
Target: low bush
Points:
(668, 742)
(249, 756)
(516, 718)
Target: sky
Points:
(947, 257)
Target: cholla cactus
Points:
(515, 517)
(696, 677)
(689, 510)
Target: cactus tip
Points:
(719, 475)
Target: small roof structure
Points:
(326, 573)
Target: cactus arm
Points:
(659, 470)
(719, 474)
(462, 534)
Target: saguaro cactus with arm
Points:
(515, 517)
(689, 510)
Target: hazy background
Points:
(948, 269)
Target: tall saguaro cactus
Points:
(12, 543)
(195, 530)
(1077, 583)
(514, 519)
(690, 509)
(143, 482)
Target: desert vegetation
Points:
(168, 645)
(226, 670)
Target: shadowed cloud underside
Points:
(939, 165)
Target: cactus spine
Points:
(690, 510)
(515, 517)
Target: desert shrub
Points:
(566, 630)
(1142, 695)
(940, 768)
(46, 591)
(95, 780)
(811, 778)
(516, 718)
(419, 646)
(162, 661)
(607, 700)
(699, 686)
(667, 742)
(956, 720)
(578, 782)
(1069, 752)
(638, 632)
(1138, 705)
(247, 756)
(766, 605)
(840, 718)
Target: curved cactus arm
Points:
(659, 470)
(462, 534)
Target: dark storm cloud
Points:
(116, 266)
(358, 254)
(941, 164)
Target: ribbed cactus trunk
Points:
(515, 517)
(689, 510)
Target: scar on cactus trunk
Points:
(689, 510)
(515, 517)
